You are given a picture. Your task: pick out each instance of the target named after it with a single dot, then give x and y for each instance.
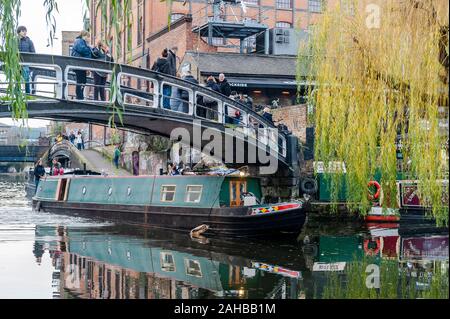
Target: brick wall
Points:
(295, 118)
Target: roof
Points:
(247, 64)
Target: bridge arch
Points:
(149, 108)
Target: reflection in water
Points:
(112, 263)
(104, 261)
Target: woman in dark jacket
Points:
(81, 50)
(100, 52)
(39, 172)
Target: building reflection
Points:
(97, 265)
(110, 264)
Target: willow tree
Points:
(381, 71)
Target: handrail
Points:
(156, 83)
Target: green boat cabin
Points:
(173, 191)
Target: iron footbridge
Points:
(152, 103)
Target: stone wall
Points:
(296, 119)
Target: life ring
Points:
(371, 251)
(309, 186)
(378, 187)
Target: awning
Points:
(264, 83)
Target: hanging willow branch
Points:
(9, 57)
(119, 14)
(376, 84)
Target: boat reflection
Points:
(118, 263)
(396, 255)
(134, 263)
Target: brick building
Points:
(150, 19)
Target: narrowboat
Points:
(224, 205)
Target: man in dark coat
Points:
(162, 64)
(101, 52)
(166, 64)
(26, 46)
(81, 50)
(225, 87)
(267, 115)
(39, 172)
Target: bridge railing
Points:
(148, 89)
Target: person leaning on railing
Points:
(101, 53)
(81, 50)
(26, 46)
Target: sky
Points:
(70, 18)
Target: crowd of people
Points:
(77, 139)
(173, 98)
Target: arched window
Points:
(283, 24)
(176, 16)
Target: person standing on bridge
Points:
(39, 172)
(225, 87)
(167, 64)
(79, 140)
(101, 53)
(26, 46)
(81, 50)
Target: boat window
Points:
(168, 193)
(193, 194)
(193, 268)
(167, 262)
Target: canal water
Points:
(46, 256)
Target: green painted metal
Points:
(210, 193)
(340, 249)
(119, 191)
(47, 189)
(144, 190)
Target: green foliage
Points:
(9, 56)
(373, 84)
(395, 282)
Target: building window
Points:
(176, 16)
(315, 5)
(168, 193)
(193, 194)
(283, 24)
(252, 2)
(250, 44)
(348, 7)
(140, 24)
(284, 4)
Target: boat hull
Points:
(235, 222)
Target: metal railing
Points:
(159, 91)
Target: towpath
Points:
(98, 163)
